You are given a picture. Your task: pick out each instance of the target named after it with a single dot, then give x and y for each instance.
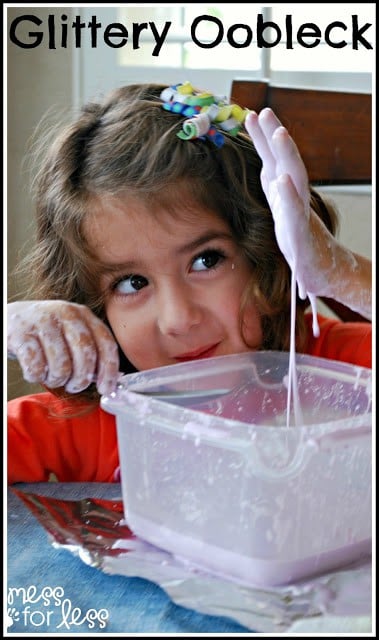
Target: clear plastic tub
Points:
(218, 477)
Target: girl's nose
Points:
(178, 311)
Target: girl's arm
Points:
(322, 266)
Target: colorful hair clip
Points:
(206, 114)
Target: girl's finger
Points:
(108, 363)
(31, 357)
(259, 139)
(268, 122)
(55, 350)
(289, 220)
(83, 354)
(94, 353)
(289, 161)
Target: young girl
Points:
(166, 234)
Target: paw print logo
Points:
(12, 616)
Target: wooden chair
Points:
(332, 130)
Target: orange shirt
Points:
(344, 341)
(42, 440)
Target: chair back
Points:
(332, 129)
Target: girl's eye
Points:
(207, 260)
(130, 284)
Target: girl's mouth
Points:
(198, 354)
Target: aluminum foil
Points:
(95, 530)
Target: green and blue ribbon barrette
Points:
(206, 113)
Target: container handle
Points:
(327, 443)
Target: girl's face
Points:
(173, 283)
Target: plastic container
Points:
(229, 485)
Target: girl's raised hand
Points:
(322, 266)
(285, 183)
(62, 344)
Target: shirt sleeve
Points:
(344, 341)
(48, 436)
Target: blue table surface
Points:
(133, 605)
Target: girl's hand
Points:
(321, 265)
(60, 343)
(285, 183)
